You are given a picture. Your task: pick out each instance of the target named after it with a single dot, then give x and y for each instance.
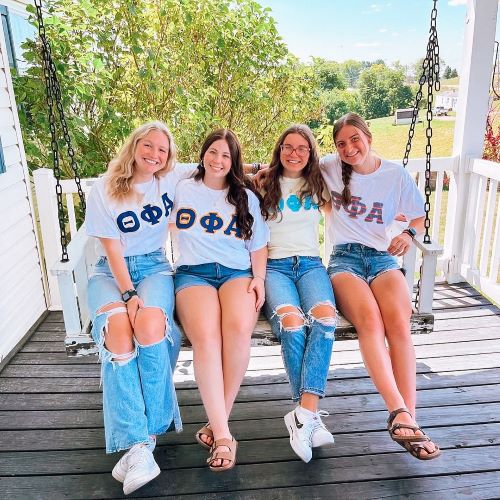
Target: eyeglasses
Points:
(288, 150)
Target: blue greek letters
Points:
(211, 222)
(355, 208)
(167, 204)
(294, 204)
(233, 228)
(185, 218)
(151, 214)
(128, 222)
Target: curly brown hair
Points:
(311, 174)
(236, 179)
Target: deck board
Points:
(51, 430)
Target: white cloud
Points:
(368, 44)
(383, 30)
(455, 3)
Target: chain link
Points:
(430, 75)
(53, 95)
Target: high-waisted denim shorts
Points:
(211, 274)
(361, 261)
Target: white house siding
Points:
(22, 298)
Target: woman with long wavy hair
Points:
(299, 299)
(219, 282)
(131, 299)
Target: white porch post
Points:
(473, 97)
(47, 211)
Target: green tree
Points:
(382, 90)
(339, 102)
(195, 65)
(329, 74)
(351, 70)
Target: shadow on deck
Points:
(51, 437)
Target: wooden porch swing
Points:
(78, 256)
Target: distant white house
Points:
(448, 100)
(22, 289)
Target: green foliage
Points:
(195, 65)
(382, 90)
(340, 102)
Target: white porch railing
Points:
(481, 245)
(67, 281)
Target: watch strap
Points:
(128, 294)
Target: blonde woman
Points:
(131, 299)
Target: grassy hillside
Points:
(390, 140)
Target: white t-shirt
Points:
(376, 199)
(206, 227)
(140, 227)
(295, 231)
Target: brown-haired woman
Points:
(367, 194)
(299, 298)
(219, 282)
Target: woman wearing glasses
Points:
(299, 299)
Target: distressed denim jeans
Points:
(139, 398)
(302, 282)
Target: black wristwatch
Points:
(128, 294)
(411, 231)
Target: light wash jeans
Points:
(306, 350)
(139, 397)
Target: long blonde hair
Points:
(121, 168)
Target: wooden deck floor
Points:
(51, 434)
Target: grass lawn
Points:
(389, 140)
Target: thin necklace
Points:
(215, 197)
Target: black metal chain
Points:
(430, 75)
(53, 92)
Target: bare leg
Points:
(199, 311)
(238, 321)
(357, 302)
(391, 292)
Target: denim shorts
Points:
(361, 261)
(211, 274)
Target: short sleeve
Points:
(98, 219)
(184, 170)
(260, 230)
(411, 202)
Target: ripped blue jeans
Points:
(139, 397)
(302, 282)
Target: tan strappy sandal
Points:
(204, 431)
(230, 455)
(400, 438)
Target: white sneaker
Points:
(300, 431)
(321, 435)
(120, 469)
(137, 467)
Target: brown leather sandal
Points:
(230, 455)
(399, 438)
(415, 449)
(204, 431)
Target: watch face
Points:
(412, 231)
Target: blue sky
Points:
(369, 29)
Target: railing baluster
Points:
(488, 228)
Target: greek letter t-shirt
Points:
(207, 230)
(376, 199)
(295, 231)
(141, 227)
